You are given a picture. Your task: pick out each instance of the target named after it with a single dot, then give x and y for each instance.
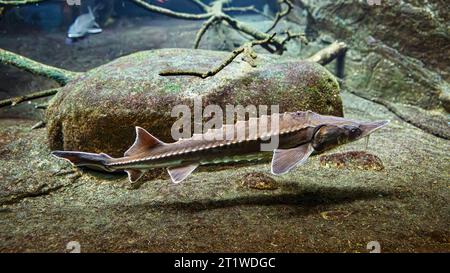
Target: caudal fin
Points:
(90, 160)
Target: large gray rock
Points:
(98, 111)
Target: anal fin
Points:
(134, 174)
(285, 159)
(179, 173)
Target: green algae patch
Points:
(173, 87)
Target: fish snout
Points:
(368, 128)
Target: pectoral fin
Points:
(285, 159)
(134, 174)
(179, 173)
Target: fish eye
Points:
(353, 131)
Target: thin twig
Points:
(256, 34)
(32, 96)
(281, 14)
(202, 5)
(217, 69)
(290, 36)
(203, 29)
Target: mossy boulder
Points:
(97, 112)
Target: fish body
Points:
(298, 134)
(84, 24)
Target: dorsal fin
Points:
(91, 12)
(144, 142)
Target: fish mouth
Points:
(370, 127)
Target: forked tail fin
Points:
(90, 160)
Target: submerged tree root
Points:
(214, 13)
(246, 48)
(61, 76)
(322, 57)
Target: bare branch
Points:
(290, 36)
(28, 97)
(322, 57)
(216, 9)
(281, 14)
(202, 5)
(226, 62)
(256, 34)
(61, 76)
(203, 29)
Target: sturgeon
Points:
(299, 134)
(83, 25)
